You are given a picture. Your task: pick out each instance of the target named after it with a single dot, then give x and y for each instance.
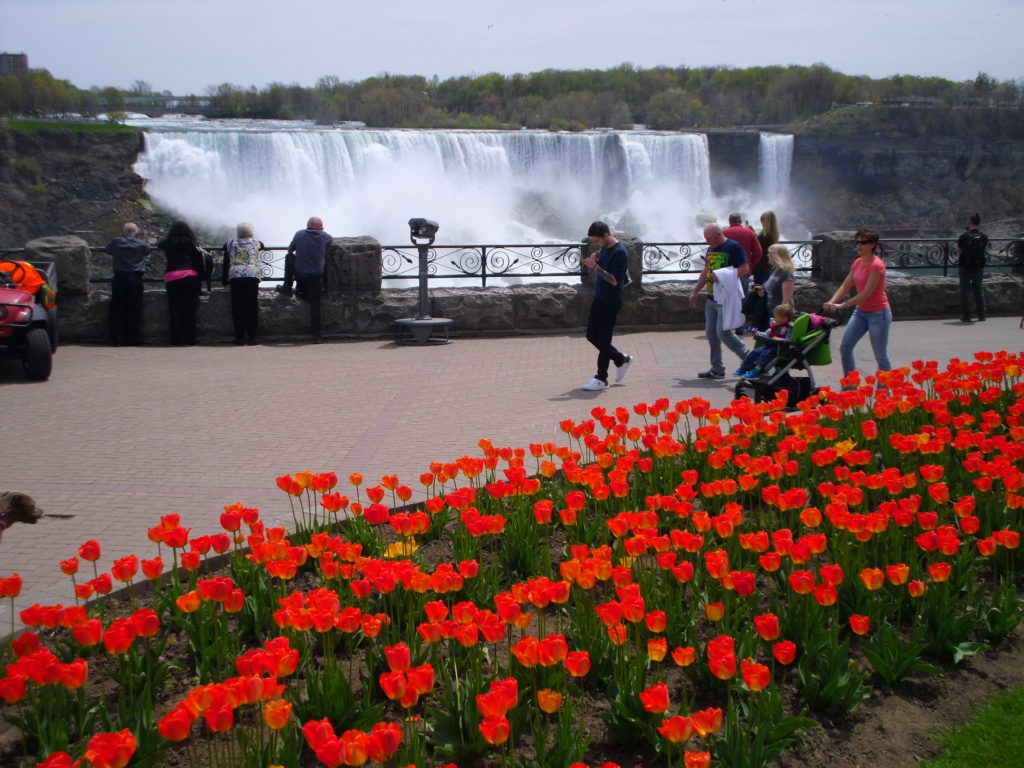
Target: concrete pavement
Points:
(119, 436)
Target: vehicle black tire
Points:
(51, 328)
(37, 358)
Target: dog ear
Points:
(18, 504)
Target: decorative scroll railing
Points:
(483, 262)
(561, 261)
(924, 254)
(688, 258)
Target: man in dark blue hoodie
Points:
(129, 262)
(611, 266)
(304, 263)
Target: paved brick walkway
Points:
(118, 437)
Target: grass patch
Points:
(993, 739)
(36, 125)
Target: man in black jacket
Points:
(971, 246)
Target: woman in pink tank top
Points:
(872, 314)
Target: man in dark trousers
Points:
(972, 245)
(304, 264)
(130, 257)
(610, 265)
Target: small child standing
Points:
(760, 358)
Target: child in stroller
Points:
(759, 358)
(807, 346)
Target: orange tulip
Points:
(657, 648)
(277, 713)
(707, 721)
(697, 759)
(548, 700)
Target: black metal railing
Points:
(561, 261)
(934, 254)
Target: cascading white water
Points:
(482, 186)
(776, 161)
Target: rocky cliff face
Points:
(57, 180)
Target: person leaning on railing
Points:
(241, 273)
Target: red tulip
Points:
(397, 657)
(697, 759)
(176, 724)
(755, 676)
(784, 652)
(495, 729)
(90, 551)
(767, 626)
(676, 729)
(860, 624)
(655, 698)
(110, 750)
(577, 663)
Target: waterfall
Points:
(481, 186)
(776, 160)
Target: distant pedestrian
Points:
(130, 258)
(972, 246)
(304, 265)
(872, 314)
(610, 265)
(724, 266)
(241, 272)
(185, 263)
(744, 235)
(767, 237)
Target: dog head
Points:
(17, 508)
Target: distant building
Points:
(13, 63)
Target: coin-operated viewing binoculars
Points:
(422, 233)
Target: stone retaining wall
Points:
(357, 306)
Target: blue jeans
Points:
(760, 358)
(713, 330)
(876, 325)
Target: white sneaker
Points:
(620, 371)
(595, 384)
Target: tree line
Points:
(661, 97)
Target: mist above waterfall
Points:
(482, 186)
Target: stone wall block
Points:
(475, 309)
(550, 307)
(353, 265)
(73, 259)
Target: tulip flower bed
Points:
(673, 585)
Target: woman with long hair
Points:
(872, 314)
(779, 285)
(767, 236)
(182, 282)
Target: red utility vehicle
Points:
(28, 315)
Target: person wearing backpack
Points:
(971, 246)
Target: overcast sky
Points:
(185, 46)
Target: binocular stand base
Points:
(421, 330)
